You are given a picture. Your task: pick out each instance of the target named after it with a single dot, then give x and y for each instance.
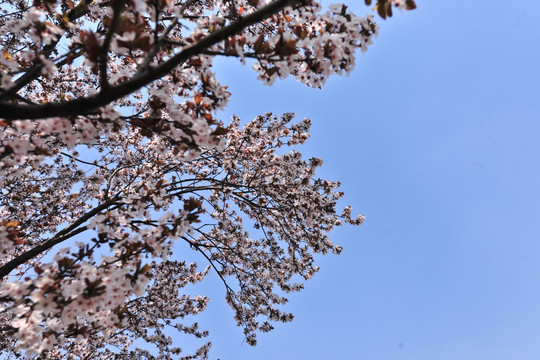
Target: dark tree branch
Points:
(85, 105)
(60, 236)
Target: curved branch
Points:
(85, 105)
(60, 236)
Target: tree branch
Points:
(60, 236)
(85, 105)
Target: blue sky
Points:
(435, 138)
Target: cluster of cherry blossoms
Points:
(110, 287)
(111, 154)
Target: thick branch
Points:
(61, 236)
(85, 105)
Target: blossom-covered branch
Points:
(107, 95)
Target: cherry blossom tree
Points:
(111, 155)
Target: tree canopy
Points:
(111, 152)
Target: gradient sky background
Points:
(436, 138)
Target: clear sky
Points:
(436, 138)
